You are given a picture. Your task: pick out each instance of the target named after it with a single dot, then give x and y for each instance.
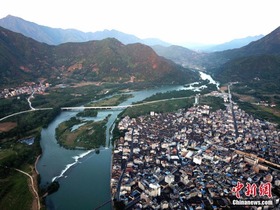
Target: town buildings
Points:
(28, 89)
(193, 159)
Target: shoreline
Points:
(35, 175)
(35, 164)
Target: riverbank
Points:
(92, 173)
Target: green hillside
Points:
(24, 59)
(261, 72)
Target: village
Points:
(28, 89)
(196, 159)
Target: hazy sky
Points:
(174, 21)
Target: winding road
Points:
(32, 109)
(29, 101)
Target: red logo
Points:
(265, 189)
(251, 189)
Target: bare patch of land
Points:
(81, 84)
(7, 126)
(246, 98)
(113, 101)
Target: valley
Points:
(73, 150)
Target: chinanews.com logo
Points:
(262, 192)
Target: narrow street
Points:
(233, 114)
(124, 168)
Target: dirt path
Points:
(33, 187)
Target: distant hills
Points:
(233, 44)
(257, 63)
(269, 44)
(119, 60)
(180, 55)
(56, 36)
(24, 59)
(207, 57)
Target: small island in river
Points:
(87, 135)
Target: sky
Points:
(173, 21)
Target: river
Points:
(84, 176)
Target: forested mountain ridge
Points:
(108, 60)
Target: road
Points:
(32, 109)
(123, 107)
(33, 187)
(26, 111)
(233, 114)
(29, 101)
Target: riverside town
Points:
(106, 120)
(195, 158)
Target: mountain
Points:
(268, 45)
(180, 55)
(19, 56)
(262, 69)
(24, 59)
(55, 36)
(256, 64)
(233, 44)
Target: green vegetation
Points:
(112, 101)
(215, 103)
(29, 124)
(167, 106)
(260, 73)
(259, 112)
(13, 105)
(73, 96)
(170, 94)
(14, 192)
(172, 105)
(258, 78)
(89, 135)
(117, 134)
(248, 98)
(52, 188)
(15, 154)
(105, 60)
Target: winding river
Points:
(84, 176)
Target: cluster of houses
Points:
(193, 159)
(28, 89)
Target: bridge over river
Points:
(121, 107)
(94, 107)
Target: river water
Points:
(84, 176)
